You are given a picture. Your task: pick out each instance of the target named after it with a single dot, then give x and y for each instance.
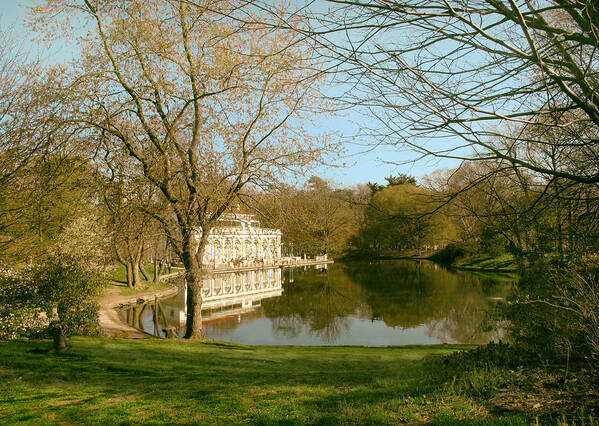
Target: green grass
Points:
(159, 381)
(486, 261)
(149, 286)
(118, 274)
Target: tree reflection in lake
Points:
(318, 303)
(149, 317)
(452, 304)
(365, 303)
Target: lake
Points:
(378, 303)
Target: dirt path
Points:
(109, 318)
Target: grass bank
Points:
(458, 255)
(160, 381)
(118, 274)
(501, 262)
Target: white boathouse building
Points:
(239, 240)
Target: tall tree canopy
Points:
(203, 101)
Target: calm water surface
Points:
(394, 302)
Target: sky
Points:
(360, 162)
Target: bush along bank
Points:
(461, 256)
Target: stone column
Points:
(221, 257)
(261, 241)
(279, 246)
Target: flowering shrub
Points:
(84, 242)
(17, 319)
(23, 322)
(58, 291)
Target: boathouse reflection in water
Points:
(224, 296)
(380, 303)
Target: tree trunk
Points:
(127, 265)
(130, 281)
(59, 338)
(136, 260)
(193, 280)
(156, 270)
(143, 272)
(135, 274)
(58, 335)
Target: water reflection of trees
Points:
(406, 294)
(453, 305)
(320, 301)
(149, 316)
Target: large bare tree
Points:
(204, 102)
(20, 106)
(31, 132)
(514, 81)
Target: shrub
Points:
(21, 322)
(454, 251)
(17, 319)
(555, 313)
(56, 293)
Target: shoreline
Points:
(109, 320)
(111, 324)
(430, 259)
(481, 269)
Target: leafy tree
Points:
(49, 192)
(41, 157)
(314, 220)
(375, 187)
(403, 217)
(400, 179)
(60, 289)
(205, 104)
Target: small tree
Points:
(59, 289)
(125, 198)
(84, 241)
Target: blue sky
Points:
(363, 163)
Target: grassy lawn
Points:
(118, 273)
(160, 381)
(502, 261)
